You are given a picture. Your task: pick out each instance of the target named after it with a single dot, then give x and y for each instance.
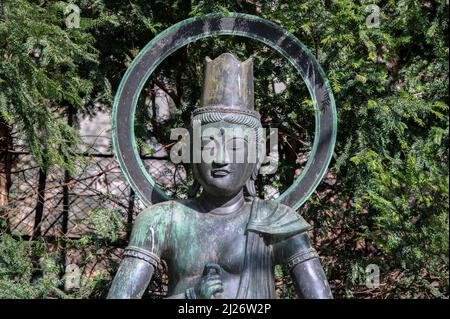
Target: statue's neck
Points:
(222, 205)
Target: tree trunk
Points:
(5, 165)
(40, 203)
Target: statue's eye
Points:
(208, 145)
(236, 144)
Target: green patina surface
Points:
(206, 34)
(239, 90)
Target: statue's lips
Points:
(220, 172)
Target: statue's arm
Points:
(305, 267)
(131, 279)
(142, 256)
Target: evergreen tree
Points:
(385, 201)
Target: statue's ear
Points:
(261, 150)
(250, 186)
(255, 171)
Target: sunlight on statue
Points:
(221, 244)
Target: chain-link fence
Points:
(52, 203)
(56, 207)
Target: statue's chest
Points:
(216, 239)
(230, 248)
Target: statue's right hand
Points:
(210, 284)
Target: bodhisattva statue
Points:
(222, 244)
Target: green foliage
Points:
(106, 229)
(401, 195)
(45, 69)
(104, 225)
(28, 270)
(389, 202)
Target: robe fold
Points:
(269, 222)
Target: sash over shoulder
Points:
(269, 221)
(274, 220)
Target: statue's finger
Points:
(213, 277)
(214, 283)
(212, 268)
(215, 289)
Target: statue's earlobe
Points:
(250, 185)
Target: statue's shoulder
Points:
(157, 213)
(270, 209)
(275, 219)
(152, 226)
(165, 212)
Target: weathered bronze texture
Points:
(228, 84)
(212, 26)
(221, 244)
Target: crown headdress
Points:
(228, 93)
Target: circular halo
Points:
(193, 29)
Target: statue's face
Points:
(228, 158)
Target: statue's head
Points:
(231, 144)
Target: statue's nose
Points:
(222, 157)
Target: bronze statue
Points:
(221, 244)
